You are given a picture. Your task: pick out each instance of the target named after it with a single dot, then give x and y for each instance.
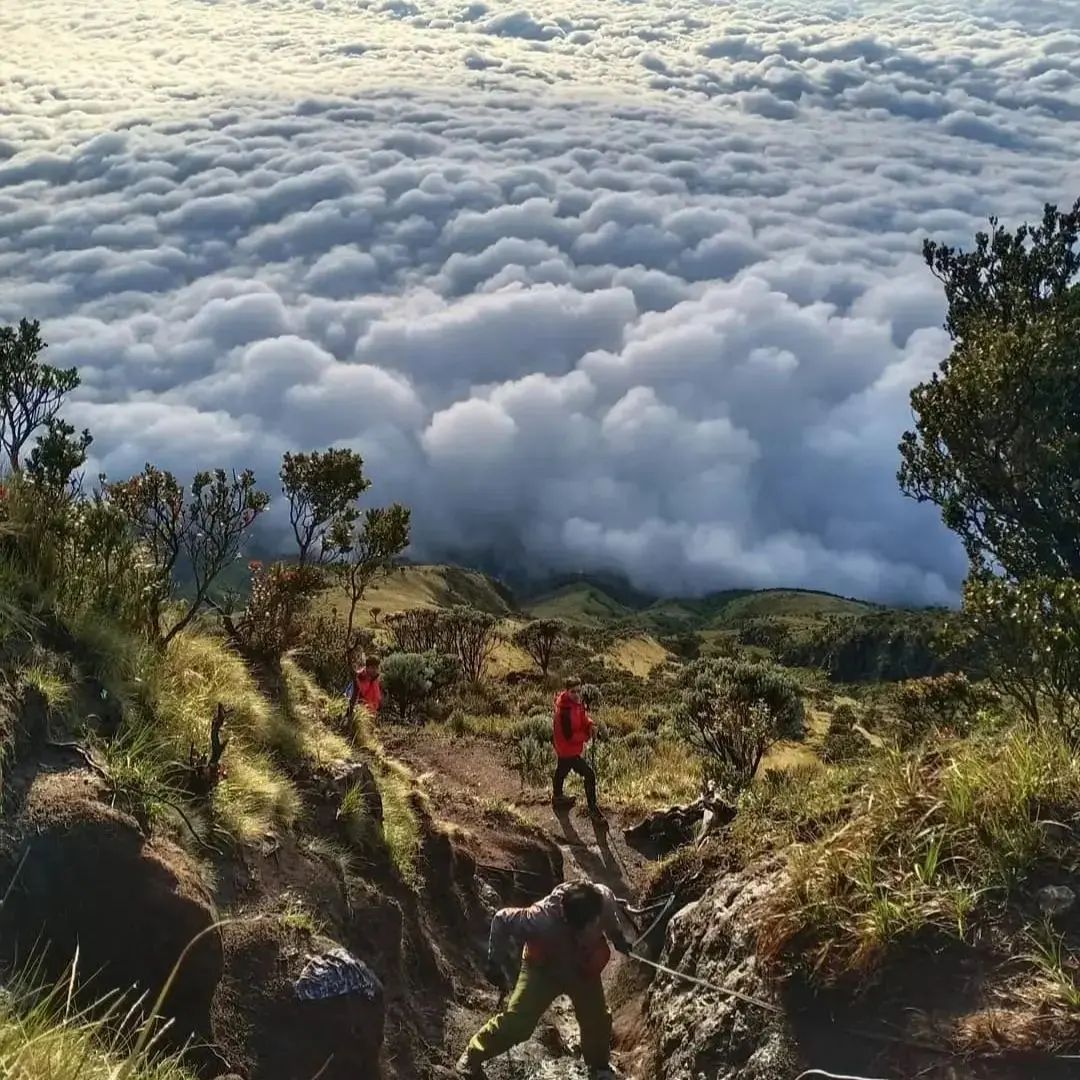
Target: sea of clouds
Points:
(591, 284)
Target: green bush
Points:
(842, 742)
(414, 683)
(538, 726)
(532, 758)
(731, 713)
(945, 701)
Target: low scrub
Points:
(414, 683)
(933, 844)
(732, 712)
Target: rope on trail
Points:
(768, 1006)
(829, 1076)
(656, 922)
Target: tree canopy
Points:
(996, 443)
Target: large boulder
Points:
(285, 1010)
(84, 880)
(698, 1032)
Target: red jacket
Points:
(572, 727)
(367, 691)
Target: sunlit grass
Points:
(43, 1036)
(934, 841)
(401, 823)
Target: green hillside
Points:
(786, 604)
(589, 603)
(436, 585)
(584, 604)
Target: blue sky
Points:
(628, 286)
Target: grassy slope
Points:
(587, 604)
(583, 604)
(429, 586)
(787, 604)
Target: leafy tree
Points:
(473, 636)
(369, 552)
(419, 630)
(540, 639)
(205, 529)
(1008, 276)
(31, 392)
(58, 455)
(322, 489)
(1026, 640)
(732, 712)
(996, 443)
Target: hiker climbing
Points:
(572, 729)
(563, 944)
(366, 689)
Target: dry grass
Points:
(44, 1036)
(196, 674)
(935, 843)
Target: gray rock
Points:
(698, 1032)
(1055, 900)
(334, 973)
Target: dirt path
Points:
(465, 776)
(468, 784)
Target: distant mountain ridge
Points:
(587, 600)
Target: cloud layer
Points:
(591, 285)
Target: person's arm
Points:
(511, 926)
(610, 920)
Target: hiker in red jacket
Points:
(572, 729)
(366, 689)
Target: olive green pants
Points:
(532, 997)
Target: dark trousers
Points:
(583, 769)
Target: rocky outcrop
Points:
(698, 1033)
(85, 881)
(269, 1029)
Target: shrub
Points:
(533, 758)
(541, 639)
(413, 682)
(732, 712)
(272, 622)
(323, 650)
(538, 726)
(948, 701)
(842, 742)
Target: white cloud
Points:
(590, 285)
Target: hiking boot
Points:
(469, 1068)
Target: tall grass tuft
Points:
(43, 1034)
(933, 842)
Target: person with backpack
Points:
(366, 689)
(563, 944)
(572, 730)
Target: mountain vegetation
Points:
(884, 788)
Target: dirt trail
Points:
(467, 782)
(465, 776)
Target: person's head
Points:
(573, 685)
(371, 666)
(582, 905)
